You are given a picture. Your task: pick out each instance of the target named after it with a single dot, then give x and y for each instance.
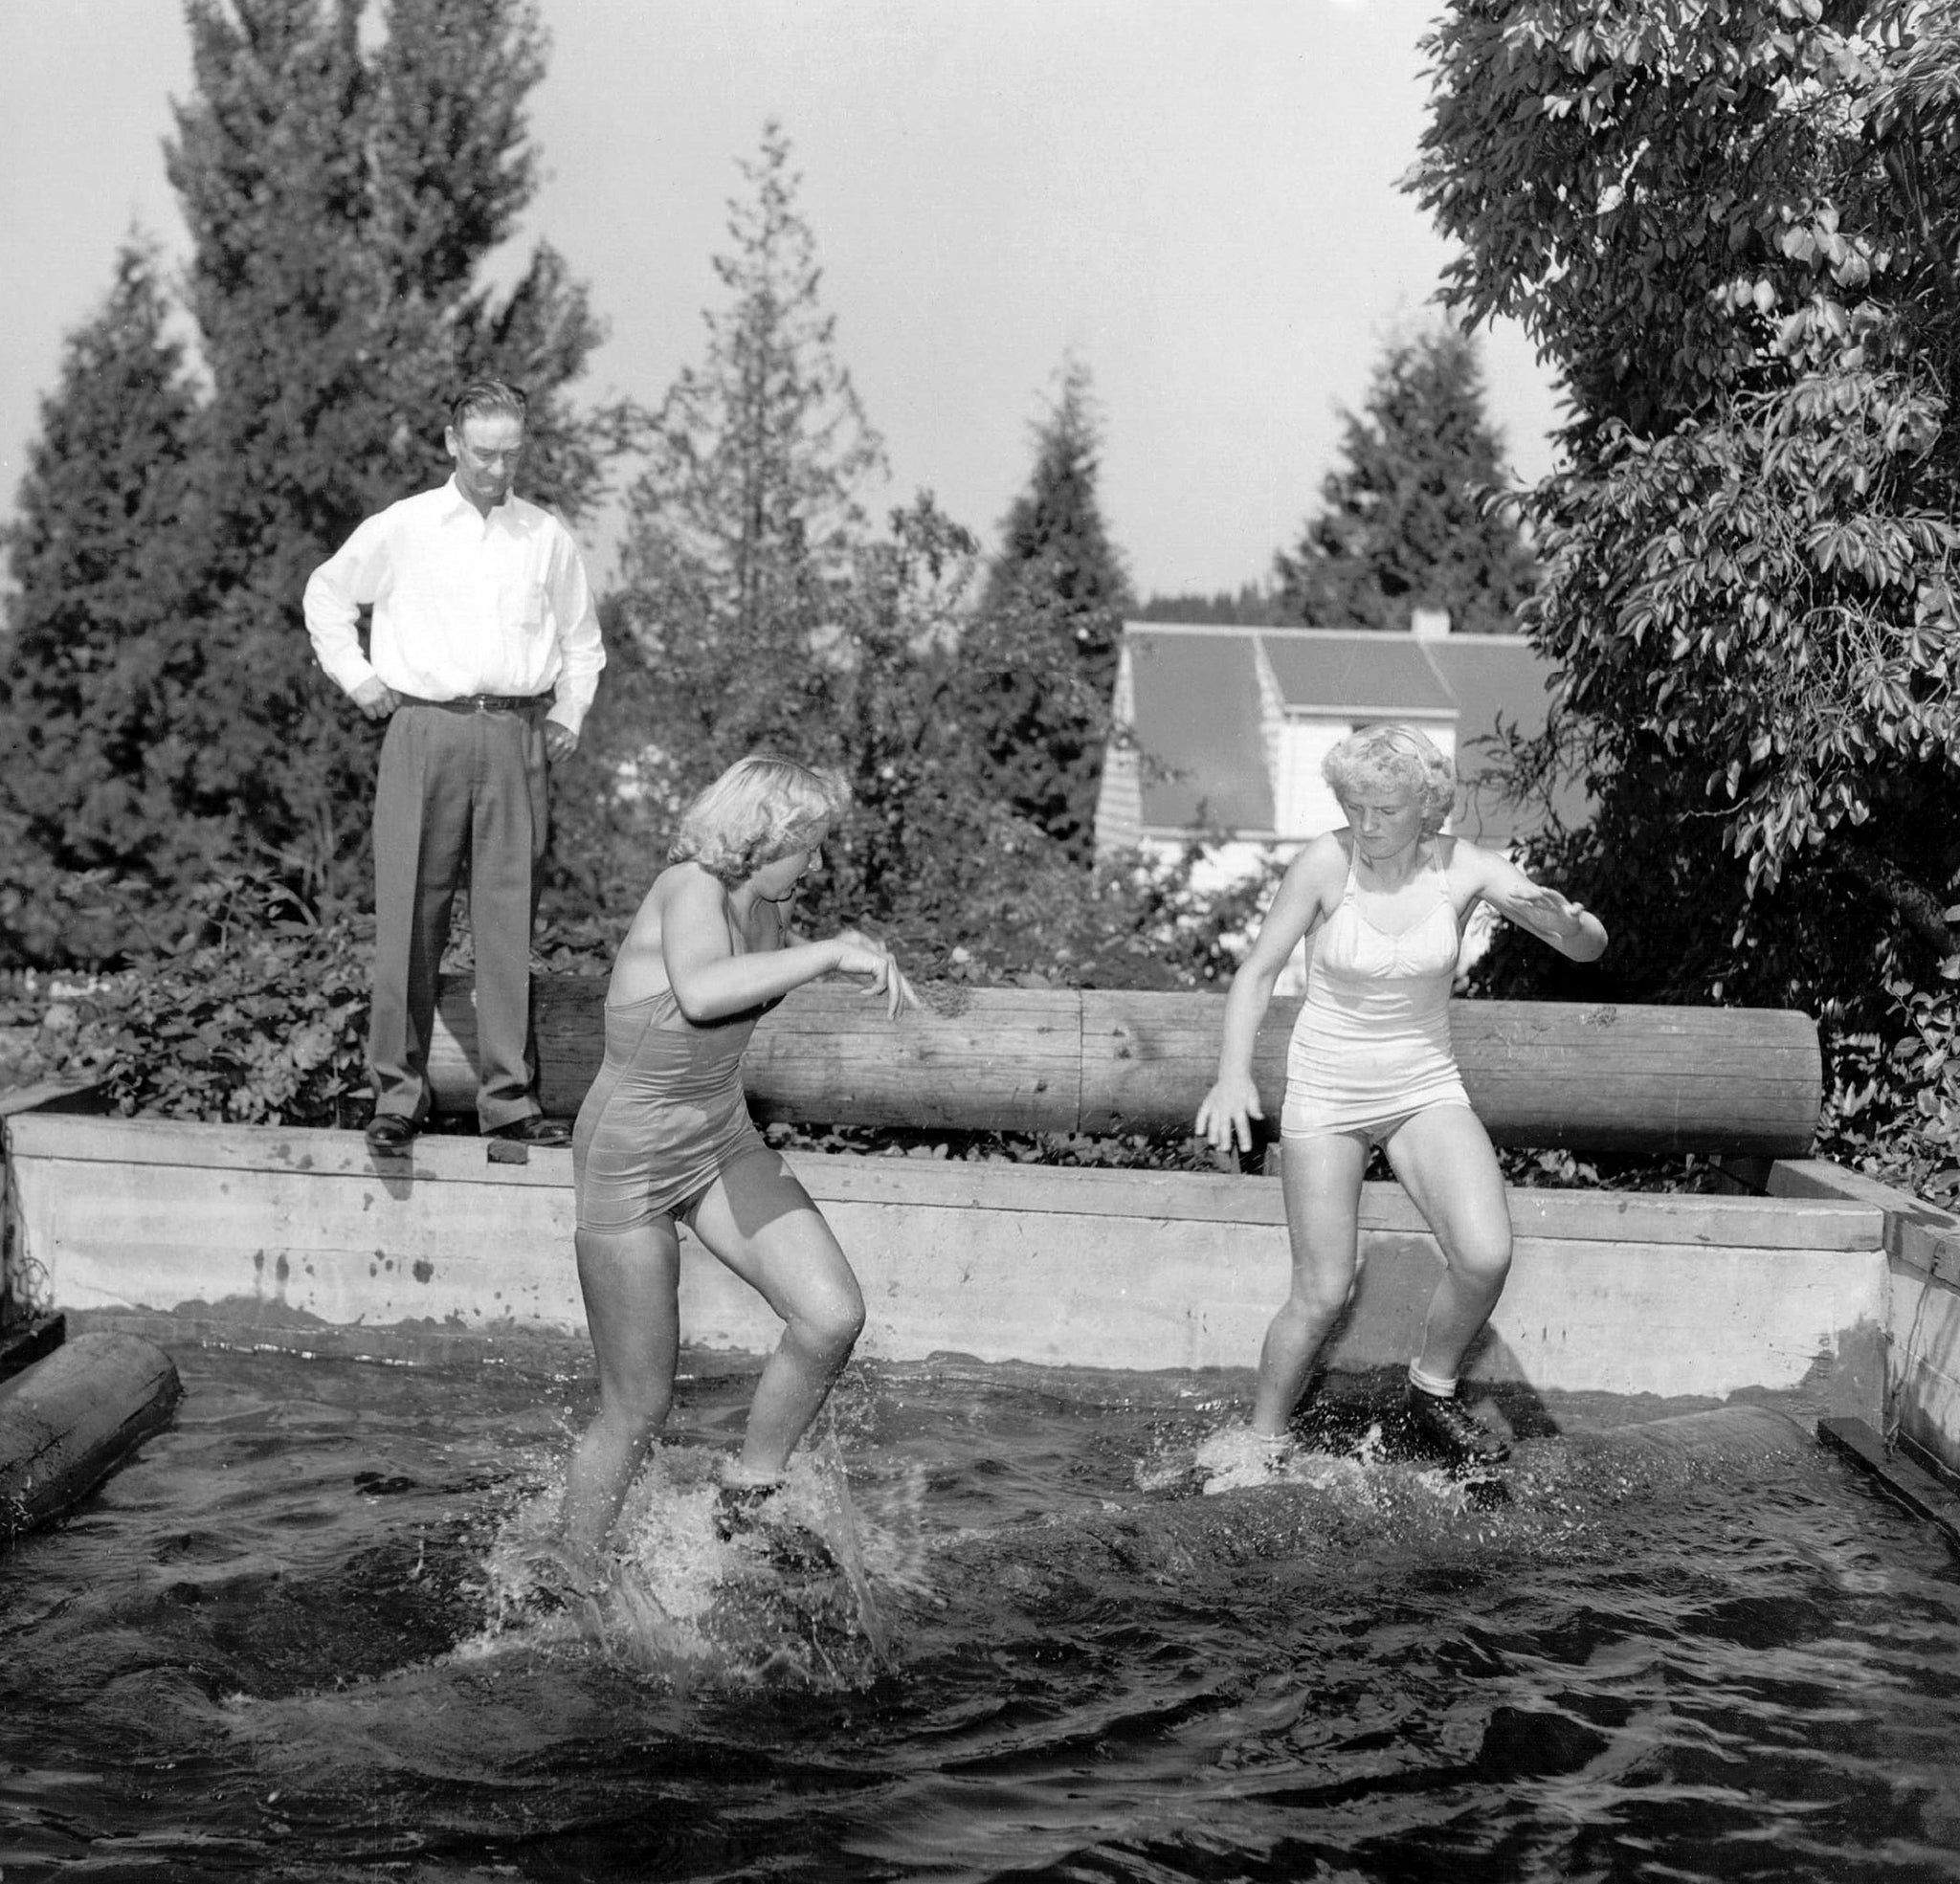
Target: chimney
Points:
(1429, 624)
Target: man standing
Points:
(483, 656)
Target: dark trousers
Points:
(459, 796)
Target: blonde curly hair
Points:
(761, 809)
(1395, 759)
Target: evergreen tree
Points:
(1403, 523)
(342, 197)
(1042, 655)
(104, 552)
(1251, 607)
(744, 529)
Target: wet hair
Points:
(486, 398)
(761, 809)
(1395, 759)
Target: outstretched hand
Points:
(1225, 1115)
(859, 954)
(1549, 913)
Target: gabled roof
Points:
(1377, 677)
(1197, 712)
(1197, 692)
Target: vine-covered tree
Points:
(1733, 232)
(1410, 517)
(741, 531)
(106, 552)
(1041, 658)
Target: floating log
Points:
(1545, 1073)
(73, 1417)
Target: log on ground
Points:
(1580, 1075)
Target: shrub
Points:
(257, 1015)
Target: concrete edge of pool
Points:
(1827, 1284)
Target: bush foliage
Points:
(1731, 230)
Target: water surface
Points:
(290, 1641)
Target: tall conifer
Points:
(744, 528)
(105, 550)
(1402, 523)
(1041, 661)
(343, 195)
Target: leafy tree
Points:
(1733, 232)
(104, 551)
(742, 528)
(1407, 521)
(1043, 651)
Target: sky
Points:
(1196, 198)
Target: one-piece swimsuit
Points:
(666, 1115)
(1372, 1044)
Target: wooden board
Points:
(1590, 1077)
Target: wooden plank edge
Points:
(1904, 1481)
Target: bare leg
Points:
(1445, 1161)
(631, 1282)
(760, 1222)
(1320, 1178)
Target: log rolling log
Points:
(1547, 1074)
(71, 1418)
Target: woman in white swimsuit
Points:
(1384, 902)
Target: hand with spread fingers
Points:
(861, 953)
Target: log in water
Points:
(73, 1417)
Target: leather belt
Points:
(479, 702)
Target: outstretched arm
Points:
(1553, 918)
(710, 981)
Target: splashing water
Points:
(680, 1599)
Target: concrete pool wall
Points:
(290, 1232)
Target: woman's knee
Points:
(1319, 1299)
(1484, 1261)
(828, 1330)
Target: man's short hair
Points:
(487, 398)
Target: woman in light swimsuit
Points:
(665, 1138)
(1370, 1063)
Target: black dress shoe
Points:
(389, 1131)
(537, 1129)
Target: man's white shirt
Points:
(463, 604)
